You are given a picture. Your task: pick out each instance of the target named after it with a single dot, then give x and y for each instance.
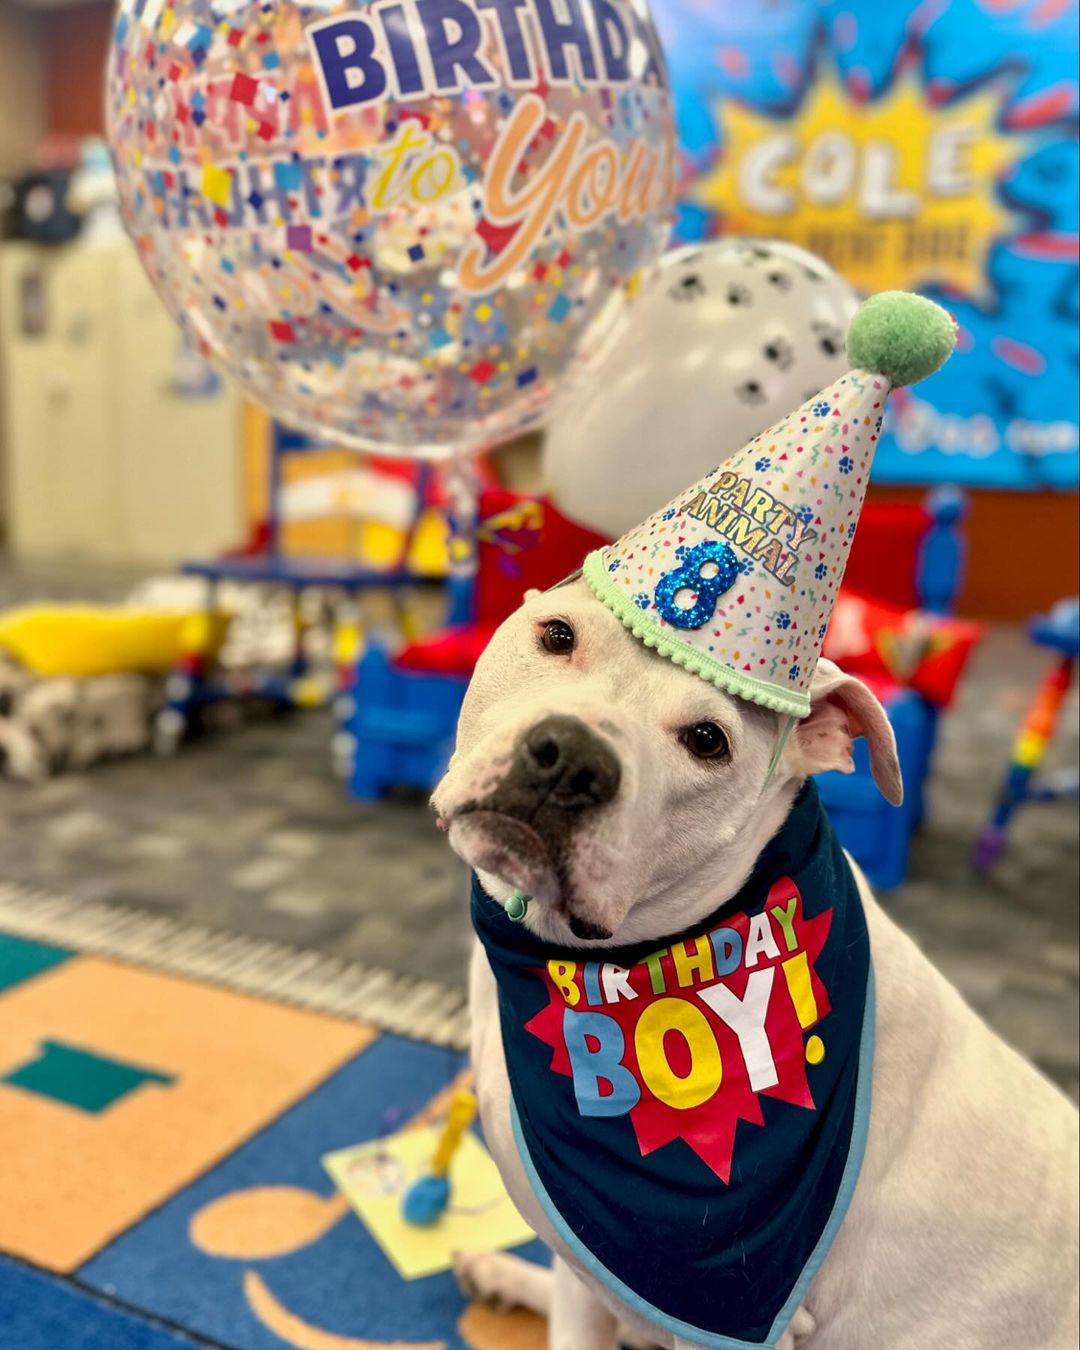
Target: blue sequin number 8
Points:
(708, 570)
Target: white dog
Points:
(962, 1230)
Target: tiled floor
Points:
(248, 831)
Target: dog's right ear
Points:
(841, 708)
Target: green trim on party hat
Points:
(645, 628)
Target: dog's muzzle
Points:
(559, 770)
(559, 773)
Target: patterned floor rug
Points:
(162, 1140)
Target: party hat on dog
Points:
(737, 577)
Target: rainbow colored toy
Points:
(1059, 630)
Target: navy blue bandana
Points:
(692, 1115)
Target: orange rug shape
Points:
(213, 1067)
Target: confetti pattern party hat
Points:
(737, 577)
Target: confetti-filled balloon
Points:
(724, 340)
(392, 224)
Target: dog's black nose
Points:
(565, 765)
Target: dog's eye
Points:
(705, 740)
(557, 638)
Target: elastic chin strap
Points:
(781, 744)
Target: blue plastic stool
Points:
(877, 834)
(397, 726)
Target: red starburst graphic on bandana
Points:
(704, 1028)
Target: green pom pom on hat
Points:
(902, 336)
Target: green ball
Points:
(902, 336)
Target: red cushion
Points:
(882, 687)
(924, 652)
(948, 649)
(884, 558)
(452, 652)
(523, 542)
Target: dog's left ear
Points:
(841, 708)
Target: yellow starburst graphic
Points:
(895, 193)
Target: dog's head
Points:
(625, 795)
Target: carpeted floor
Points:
(162, 1141)
(161, 1135)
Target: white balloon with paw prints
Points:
(725, 339)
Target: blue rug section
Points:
(21, 960)
(45, 1312)
(339, 1283)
